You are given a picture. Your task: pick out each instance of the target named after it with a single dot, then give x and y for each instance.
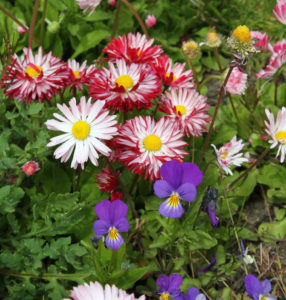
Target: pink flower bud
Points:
(263, 137)
(150, 21)
(112, 2)
(30, 168)
(22, 30)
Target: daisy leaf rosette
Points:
(112, 220)
(179, 183)
(86, 129)
(34, 77)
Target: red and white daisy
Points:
(229, 155)
(280, 11)
(133, 48)
(95, 291)
(88, 4)
(277, 59)
(187, 109)
(79, 74)
(146, 144)
(86, 127)
(175, 76)
(277, 131)
(34, 77)
(106, 180)
(262, 39)
(125, 86)
(236, 83)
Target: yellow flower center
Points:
(180, 110)
(262, 298)
(191, 45)
(80, 130)
(242, 33)
(281, 137)
(152, 142)
(223, 155)
(76, 74)
(164, 296)
(33, 70)
(212, 36)
(139, 52)
(173, 200)
(125, 81)
(174, 77)
(113, 234)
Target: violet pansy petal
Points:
(114, 243)
(122, 225)
(102, 210)
(100, 228)
(175, 281)
(191, 173)
(162, 189)
(118, 210)
(213, 217)
(163, 283)
(180, 296)
(171, 211)
(252, 286)
(172, 172)
(266, 287)
(187, 192)
(201, 297)
(192, 293)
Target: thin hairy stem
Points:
(116, 19)
(43, 21)
(33, 21)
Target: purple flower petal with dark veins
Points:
(122, 225)
(114, 243)
(266, 287)
(118, 210)
(191, 173)
(162, 189)
(163, 283)
(213, 217)
(187, 192)
(172, 172)
(100, 228)
(175, 281)
(102, 210)
(253, 286)
(171, 211)
(208, 267)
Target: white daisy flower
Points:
(277, 131)
(85, 128)
(229, 155)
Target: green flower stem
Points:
(234, 111)
(6, 12)
(214, 115)
(217, 59)
(43, 21)
(249, 169)
(116, 19)
(189, 60)
(33, 21)
(46, 275)
(125, 191)
(208, 79)
(231, 218)
(276, 90)
(141, 23)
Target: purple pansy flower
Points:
(179, 183)
(209, 267)
(210, 205)
(194, 294)
(256, 289)
(169, 286)
(112, 220)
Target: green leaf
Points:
(9, 198)
(90, 40)
(190, 282)
(199, 239)
(127, 281)
(35, 108)
(220, 255)
(275, 230)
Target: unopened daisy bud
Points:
(30, 168)
(213, 40)
(150, 21)
(115, 196)
(22, 30)
(240, 41)
(112, 2)
(190, 49)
